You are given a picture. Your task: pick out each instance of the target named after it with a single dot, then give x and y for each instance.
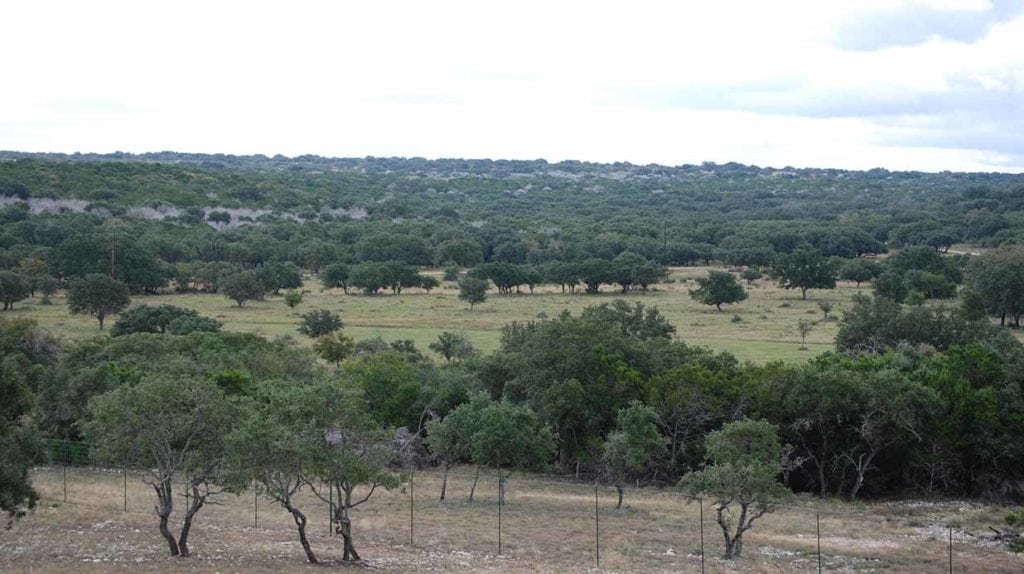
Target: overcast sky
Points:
(927, 84)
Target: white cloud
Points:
(756, 82)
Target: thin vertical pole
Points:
(65, 458)
(330, 511)
(817, 524)
(950, 550)
(597, 529)
(700, 502)
(412, 503)
(126, 487)
(500, 485)
(255, 506)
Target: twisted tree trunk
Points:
(165, 504)
(300, 523)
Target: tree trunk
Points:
(803, 293)
(444, 481)
(472, 489)
(101, 318)
(345, 528)
(300, 523)
(164, 495)
(618, 488)
(726, 535)
(186, 527)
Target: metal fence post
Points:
(950, 550)
(64, 456)
(255, 506)
(500, 485)
(597, 529)
(817, 525)
(126, 487)
(700, 503)
(412, 504)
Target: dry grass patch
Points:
(548, 526)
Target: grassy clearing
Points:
(547, 526)
(760, 329)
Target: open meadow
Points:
(547, 526)
(763, 328)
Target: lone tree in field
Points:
(13, 288)
(320, 322)
(242, 287)
(718, 288)
(803, 270)
(472, 291)
(750, 275)
(858, 271)
(452, 346)
(172, 426)
(633, 445)
(804, 327)
(745, 462)
(293, 299)
(98, 295)
(335, 275)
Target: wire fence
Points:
(658, 528)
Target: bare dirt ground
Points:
(547, 526)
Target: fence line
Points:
(78, 455)
(682, 526)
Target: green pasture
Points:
(762, 328)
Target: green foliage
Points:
(890, 285)
(390, 387)
(998, 279)
(293, 299)
(472, 291)
(718, 288)
(512, 436)
(335, 275)
(859, 271)
(26, 359)
(98, 295)
(803, 270)
(13, 288)
(459, 252)
(174, 427)
(162, 318)
(334, 348)
(750, 275)
(804, 327)
(634, 444)
(876, 325)
(745, 462)
(277, 276)
(320, 322)
(242, 287)
(452, 346)
(294, 436)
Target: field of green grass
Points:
(763, 328)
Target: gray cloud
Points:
(909, 25)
